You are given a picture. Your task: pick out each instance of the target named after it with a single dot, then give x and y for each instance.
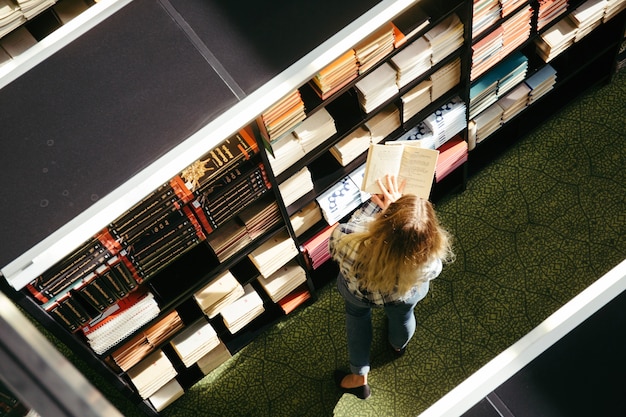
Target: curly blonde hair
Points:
(403, 238)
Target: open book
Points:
(404, 159)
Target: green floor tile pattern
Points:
(532, 230)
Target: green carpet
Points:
(532, 230)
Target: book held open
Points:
(408, 161)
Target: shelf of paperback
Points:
(545, 61)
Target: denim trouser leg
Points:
(359, 325)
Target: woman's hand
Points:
(390, 189)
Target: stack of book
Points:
(296, 186)
(219, 293)
(11, 17)
(516, 30)
(151, 374)
(178, 232)
(511, 72)
(383, 123)
(121, 320)
(282, 117)
(555, 39)
(243, 310)
(286, 152)
(138, 347)
(422, 134)
(452, 155)
(351, 146)
(514, 102)
(305, 218)
(32, 8)
(445, 78)
(260, 217)
(221, 204)
(483, 93)
(587, 17)
(166, 395)
(283, 281)
(445, 38)
(375, 47)
(336, 75)
(17, 41)
(485, 14)
(550, 10)
(294, 299)
(509, 6)
(447, 121)
(541, 82)
(409, 23)
(315, 130)
(486, 123)
(214, 358)
(339, 200)
(613, 7)
(412, 61)
(377, 87)
(229, 239)
(416, 99)
(195, 341)
(273, 253)
(487, 52)
(316, 248)
(66, 10)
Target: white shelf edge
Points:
(61, 242)
(497, 371)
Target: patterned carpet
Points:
(532, 230)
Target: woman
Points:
(388, 252)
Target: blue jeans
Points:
(359, 324)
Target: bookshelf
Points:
(127, 96)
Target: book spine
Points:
(125, 273)
(61, 316)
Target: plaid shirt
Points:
(359, 222)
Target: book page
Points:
(418, 169)
(381, 160)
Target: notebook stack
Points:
(514, 102)
(377, 87)
(316, 248)
(305, 218)
(219, 293)
(315, 130)
(166, 395)
(487, 52)
(516, 30)
(137, 348)
(296, 186)
(121, 321)
(486, 123)
(447, 121)
(11, 17)
(273, 253)
(416, 99)
(214, 358)
(509, 6)
(613, 7)
(550, 10)
(383, 123)
(511, 72)
(283, 281)
(541, 82)
(587, 17)
(151, 374)
(336, 75)
(260, 217)
(282, 117)
(445, 38)
(243, 310)
(485, 14)
(195, 341)
(452, 155)
(229, 239)
(445, 78)
(555, 39)
(339, 200)
(287, 151)
(412, 61)
(374, 48)
(31, 8)
(351, 146)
